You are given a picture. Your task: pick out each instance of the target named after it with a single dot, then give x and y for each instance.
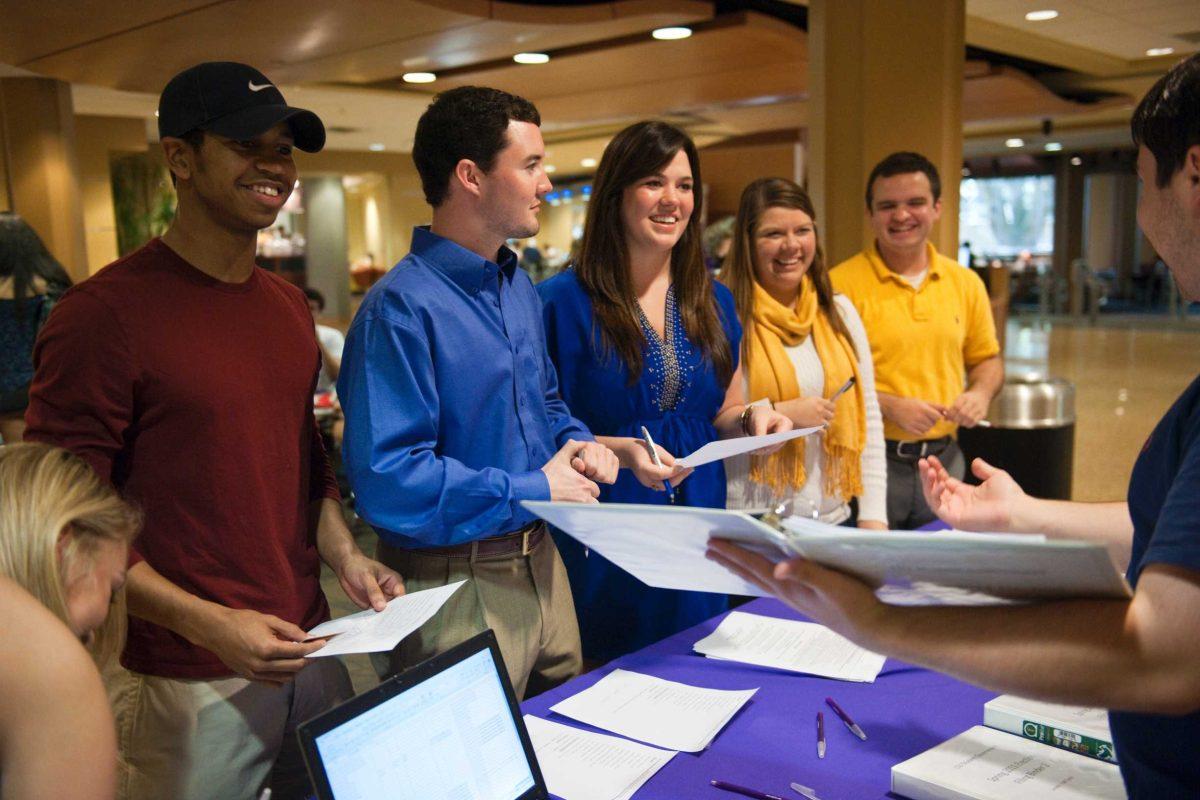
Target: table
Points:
(772, 740)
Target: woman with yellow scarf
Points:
(801, 345)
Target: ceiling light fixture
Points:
(419, 77)
(1053, 147)
(375, 147)
(671, 34)
(1041, 16)
(550, 168)
(1014, 142)
(587, 163)
(1076, 161)
(1160, 51)
(531, 58)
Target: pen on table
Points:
(851, 724)
(820, 735)
(742, 790)
(800, 788)
(845, 388)
(657, 461)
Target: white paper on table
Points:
(788, 644)
(584, 765)
(372, 631)
(726, 448)
(656, 711)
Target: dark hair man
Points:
(1139, 657)
(452, 408)
(930, 326)
(184, 374)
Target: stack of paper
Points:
(374, 631)
(794, 646)
(986, 764)
(582, 765)
(1076, 728)
(652, 710)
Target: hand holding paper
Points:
(726, 448)
(373, 631)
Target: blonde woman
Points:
(64, 541)
(802, 344)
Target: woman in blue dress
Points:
(641, 336)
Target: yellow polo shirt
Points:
(923, 340)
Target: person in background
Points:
(641, 337)
(1136, 657)
(30, 282)
(64, 540)
(929, 321)
(802, 343)
(452, 410)
(329, 340)
(183, 374)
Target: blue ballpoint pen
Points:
(657, 461)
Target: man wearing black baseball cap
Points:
(184, 374)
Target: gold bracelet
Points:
(745, 420)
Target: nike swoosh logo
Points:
(259, 88)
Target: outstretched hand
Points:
(987, 507)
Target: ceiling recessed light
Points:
(966, 172)
(531, 58)
(1076, 161)
(375, 147)
(156, 112)
(1160, 51)
(1053, 147)
(669, 34)
(1014, 142)
(551, 168)
(588, 163)
(1041, 16)
(419, 77)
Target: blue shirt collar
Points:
(468, 270)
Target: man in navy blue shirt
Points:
(452, 408)
(1140, 658)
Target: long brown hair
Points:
(738, 271)
(603, 268)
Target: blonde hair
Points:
(46, 492)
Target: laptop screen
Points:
(451, 735)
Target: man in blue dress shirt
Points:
(452, 408)
(1140, 658)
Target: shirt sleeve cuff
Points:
(532, 485)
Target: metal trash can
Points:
(1032, 435)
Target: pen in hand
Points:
(845, 388)
(657, 461)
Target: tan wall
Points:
(727, 170)
(96, 139)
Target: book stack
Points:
(1026, 749)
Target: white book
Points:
(986, 764)
(1075, 728)
(664, 546)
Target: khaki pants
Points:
(525, 600)
(222, 739)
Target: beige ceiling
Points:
(739, 74)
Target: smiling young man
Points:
(933, 340)
(1141, 657)
(184, 374)
(452, 409)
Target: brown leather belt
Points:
(519, 542)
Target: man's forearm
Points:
(1101, 523)
(152, 597)
(334, 540)
(986, 377)
(887, 405)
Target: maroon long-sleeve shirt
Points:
(194, 398)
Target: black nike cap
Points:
(233, 100)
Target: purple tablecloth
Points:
(772, 741)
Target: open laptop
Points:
(449, 727)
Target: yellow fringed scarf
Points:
(771, 374)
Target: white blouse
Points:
(742, 493)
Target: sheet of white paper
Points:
(787, 644)
(724, 448)
(662, 546)
(584, 765)
(373, 631)
(656, 711)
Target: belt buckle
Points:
(902, 450)
(525, 543)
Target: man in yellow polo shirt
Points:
(937, 360)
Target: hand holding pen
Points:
(656, 455)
